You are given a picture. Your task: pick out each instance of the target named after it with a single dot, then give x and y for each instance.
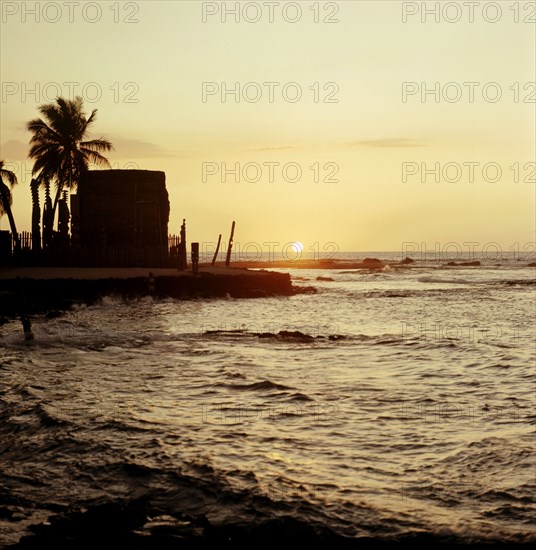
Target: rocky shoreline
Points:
(139, 524)
(24, 291)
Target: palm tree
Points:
(60, 146)
(6, 199)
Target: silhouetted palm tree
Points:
(6, 199)
(60, 147)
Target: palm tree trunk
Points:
(7, 208)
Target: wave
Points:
(461, 281)
(257, 386)
(432, 279)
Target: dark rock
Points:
(320, 278)
(295, 334)
(407, 260)
(222, 331)
(89, 529)
(305, 290)
(476, 263)
(5, 513)
(288, 335)
(372, 263)
(52, 314)
(533, 264)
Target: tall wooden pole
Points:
(195, 258)
(217, 250)
(230, 246)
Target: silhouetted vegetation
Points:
(6, 199)
(62, 152)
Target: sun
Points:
(297, 247)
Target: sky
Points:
(367, 124)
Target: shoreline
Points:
(36, 290)
(33, 290)
(138, 523)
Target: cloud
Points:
(136, 148)
(382, 143)
(285, 148)
(14, 150)
(387, 143)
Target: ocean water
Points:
(416, 417)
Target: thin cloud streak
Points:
(387, 143)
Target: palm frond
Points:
(100, 144)
(5, 193)
(7, 175)
(60, 145)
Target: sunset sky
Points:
(150, 74)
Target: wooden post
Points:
(195, 258)
(217, 250)
(230, 246)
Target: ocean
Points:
(390, 405)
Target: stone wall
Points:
(121, 208)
